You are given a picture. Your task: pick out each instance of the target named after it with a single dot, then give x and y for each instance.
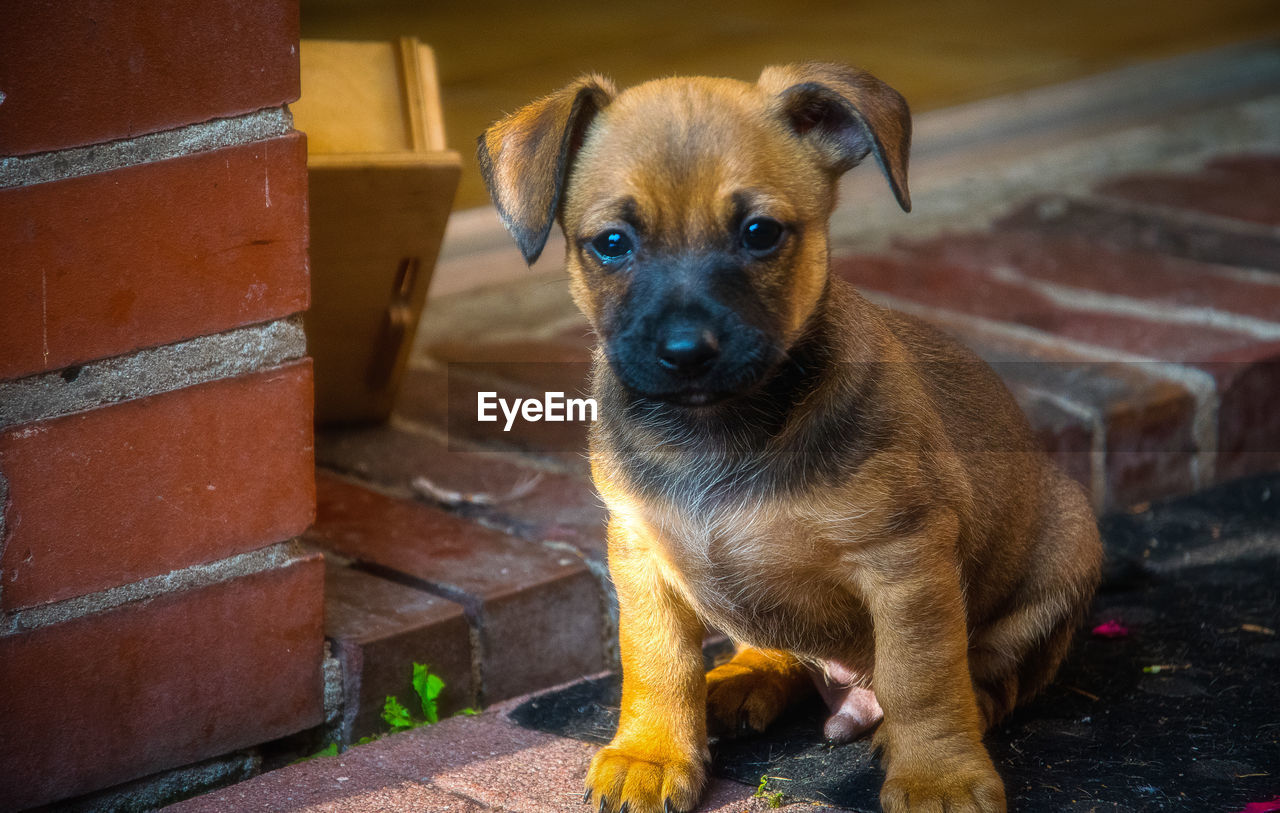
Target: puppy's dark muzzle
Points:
(688, 351)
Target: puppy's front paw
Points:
(969, 787)
(625, 779)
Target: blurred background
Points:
(493, 57)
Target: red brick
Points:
(1079, 261)
(1248, 420)
(332, 786)
(96, 70)
(1242, 188)
(978, 293)
(1246, 375)
(146, 255)
(379, 629)
(1125, 225)
(160, 483)
(405, 772)
(101, 699)
(538, 614)
(1154, 450)
(1146, 421)
(523, 498)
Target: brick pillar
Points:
(156, 453)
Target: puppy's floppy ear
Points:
(845, 113)
(525, 158)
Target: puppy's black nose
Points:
(688, 350)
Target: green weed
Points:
(428, 688)
(773, 798)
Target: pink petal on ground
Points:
(1262, 807)
(1111, 628)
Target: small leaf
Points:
(434, 686)
(396, 715)
(428, 687)
(420, 672)
(764, 782)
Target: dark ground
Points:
(1196, 582)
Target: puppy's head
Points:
(695, 210)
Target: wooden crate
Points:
(381, 187)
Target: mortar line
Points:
(151, 371)
(44, 314)
(4, 508)
(193, 576)
(1075, 298)
(75, 162)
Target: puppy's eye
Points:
(761, 234)
(612, 245)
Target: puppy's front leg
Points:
(655, 763)
(931, 738)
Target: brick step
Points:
(512, 493)
(1238, 187)
(378, 629)
(1078, 270)
(1228, 362)
(536, 615)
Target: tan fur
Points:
(940, 560)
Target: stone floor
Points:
(1124, 279)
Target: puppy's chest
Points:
(763, 576)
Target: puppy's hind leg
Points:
(1015, 655)
(752, 689)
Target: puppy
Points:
(840, 488)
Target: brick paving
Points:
(461, 765)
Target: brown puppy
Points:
(838, 487)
